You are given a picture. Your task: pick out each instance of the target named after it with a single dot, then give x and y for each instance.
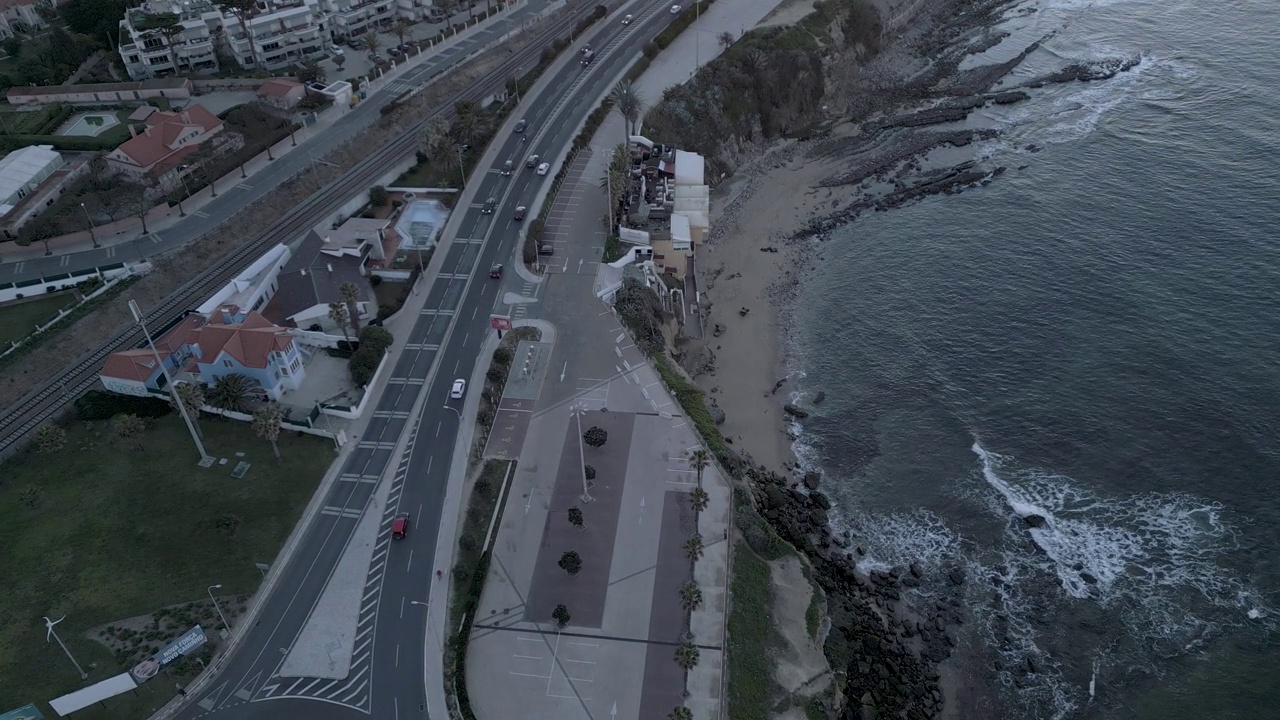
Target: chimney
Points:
(186, 117)
(133, 130)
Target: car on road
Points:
(495, 272)
(459, 389)
(520, 213)
(626, 20)
(355, 44)
(506, 168)
(675, 9)
(543, 168)
(335, 50)
(588, 56)
(489, 205)
(400, 527)
(531, 162)
(521, 125)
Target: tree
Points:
(693, 548)
(41, 229)
(244, 10)
(191, 396)
(575, 518)
(680, 713)
(338, 314)
(378, 196)
(136, 197)
(690, 597)
(12, 46)
(687, 656)
(310, 71)
(351, 295)
(614, 180)
(130, 429)
(266, 425)
(376, 338)
(472, 124)
(401, 28)
(589, 472)
(726, 39)
(699, 499)
(561, 616)
(99, 19)
(232, 392)
(49, 439)
(699, 460)
(627, 103)
(596, 436)
(372, 41)
(571, 563)
(432, 135)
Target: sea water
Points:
(1092, 339)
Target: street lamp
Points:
(217, 607)
(578, 410)
(164, 369)
(92, 235)
(50, 632)
(516, 82)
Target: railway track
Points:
(51, 398)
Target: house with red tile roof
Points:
(282, 93)
(230, 342)
(164, 142)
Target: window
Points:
(226, 363)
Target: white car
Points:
(335, 50)
(459, 389)
(626, 20)
(675, 9)
(543, 168)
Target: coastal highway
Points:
(386, 677)
(47, 400)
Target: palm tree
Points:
(680, 713)
(338, 314)
(687, 656)
(130, 429)
(690, 597)
(350, 295)
(191, 396)
(627, 102)
(371, 42)
(49, 439)
(232, 392)
(453, 157)
(401, 28)
(699, 499)
(693, 548)
(699, 460)
(266, 425)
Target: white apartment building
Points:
(22, 16)
(184, 37)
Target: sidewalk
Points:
(161, 218)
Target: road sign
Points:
(500, 323)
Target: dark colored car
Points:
(520, 212)
(495, 272)
(546, 249)
(521, 125)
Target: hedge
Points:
(70, 143)
(102, 405)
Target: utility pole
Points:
(164, 369)
(92, 236)
(50, 632)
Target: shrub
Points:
(377, 338)
(595, 436)
(589, 472)
(378, 196)
(363, 364)
(571, 563)
(30, 497)
(102, 405)
(495, 375)
(560, 615)
(228, 524)
(503, 355)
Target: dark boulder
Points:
(795, 412)
(811, 480)
(817, 399)
(1034, 520)
(1089, 578)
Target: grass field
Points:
(24, 123)
(119, 532)
(18, 320)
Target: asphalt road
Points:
(386, 678)
(234, 198)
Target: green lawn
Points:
(118, 533)
(18, 320)
(24, 123)
(750, 637)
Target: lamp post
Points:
(92, 235)
(164, 369)
(516, 82)
(578, 410)
(217, 607)
(428, 607)
(50, 632)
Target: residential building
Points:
(282, 94)
(312, 278)
(199, 349)
(165, 141)
(668, 204)
(102, 93)
(172, 37)
(31, 179)
(22, 16)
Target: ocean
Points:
(1093, 338)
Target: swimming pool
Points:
(89, 124)
(420, 224)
